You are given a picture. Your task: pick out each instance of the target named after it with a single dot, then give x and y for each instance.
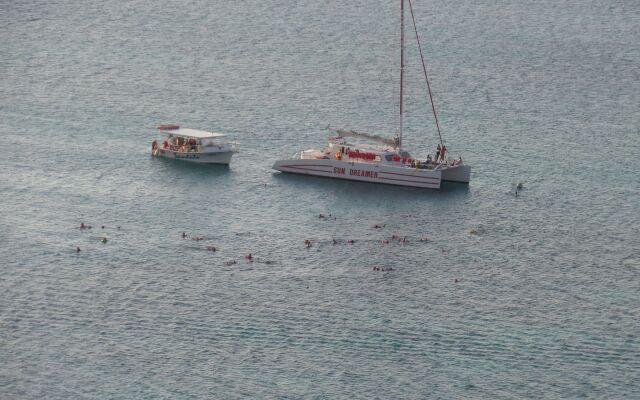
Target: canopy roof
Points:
(193, 133)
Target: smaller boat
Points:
(193, 145)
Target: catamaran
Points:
(193, 145)
(371, 158)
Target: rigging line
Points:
(424, 68)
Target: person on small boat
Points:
(192, 144)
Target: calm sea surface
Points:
(543, 302)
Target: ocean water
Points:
(543, 302)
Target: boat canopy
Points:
(193, 133)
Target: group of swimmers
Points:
(103, 238)
(249, 257)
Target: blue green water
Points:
(543, 302)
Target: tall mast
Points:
(401, 68)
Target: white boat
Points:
(385, 161)
(193, 145)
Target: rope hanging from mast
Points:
(424, 68)
(401, 70)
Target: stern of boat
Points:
(458, 173)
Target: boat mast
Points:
(401, 68)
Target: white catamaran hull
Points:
(457, 173)
(223, 157)
(401, 176)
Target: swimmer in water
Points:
(334, 241)
(77, 249)
(351, 241)
(82, 225)
(184, 235)
(249, 257)
(307, 243)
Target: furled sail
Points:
(362, 135)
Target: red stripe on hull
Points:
(409, 175)
(305, 169)
(307, 165)
(407, 180)
(422, 184)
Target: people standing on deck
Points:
(440, 152)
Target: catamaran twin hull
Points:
(223, 157)
(401, 176)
